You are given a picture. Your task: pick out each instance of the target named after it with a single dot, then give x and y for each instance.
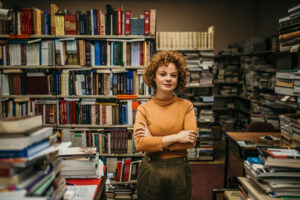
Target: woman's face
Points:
(166, 78)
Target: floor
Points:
(210, 174)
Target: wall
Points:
(234, 20)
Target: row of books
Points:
(186, 40)
(30, 165)
(69, 51)
(74, 82)
(90, 22)
(75, 111)
(289, 29)
(106, 141)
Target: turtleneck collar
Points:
(164, 102)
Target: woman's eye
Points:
(174, 76)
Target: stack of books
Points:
(206, 116)
(289, 29)
(290, 129)
(81, 163)
(28, 162)
(276, 171)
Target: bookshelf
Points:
(228, 86)
(197, 47)
(75, 79)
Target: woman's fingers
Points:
(143, 123)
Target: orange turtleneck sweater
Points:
(165, 117)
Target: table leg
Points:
(226, 161)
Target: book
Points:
(19, 142)
(26, 152)
(17, 125)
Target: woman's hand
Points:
(186, 136)
(142, 131)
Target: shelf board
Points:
(69, 67)
(223, 109)
(25, 67)
(122, 182)
(71, 96)
(88, 96)
(225, 96)
(92, 126)
(122, 155)
(106, 36)
(30, 96)
(226, 83)
(202, 104)
(200, 86)
(174, 49)
(85, 36)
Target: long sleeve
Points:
(190, 123)
(146, 144)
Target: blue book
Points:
(97, 53)
(27, 152)
(82, 23)
(95, 21)
(17, 41)
(131, 82)
(254, 160)
(68, 116)
(46, 22)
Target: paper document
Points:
(83, 192)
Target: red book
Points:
(98, 22)
(29, 21)
(23, 22)
(6, 171)
(147, 22)
(127, 22)
(142, 53)
(126, 169)
(119, 22)
(63, 111)
(73, 24)
(118, 170)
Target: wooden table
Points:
(242, 136)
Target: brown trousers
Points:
(164, 179)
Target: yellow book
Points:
(289, 84)
(59, 24)
(53, 10)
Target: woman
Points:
(164, 128)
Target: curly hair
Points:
(163, 58)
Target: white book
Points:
(92, 54)
(45, 53)
(19, 143)
(20, 125)
(129, 112)
(5, 85)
